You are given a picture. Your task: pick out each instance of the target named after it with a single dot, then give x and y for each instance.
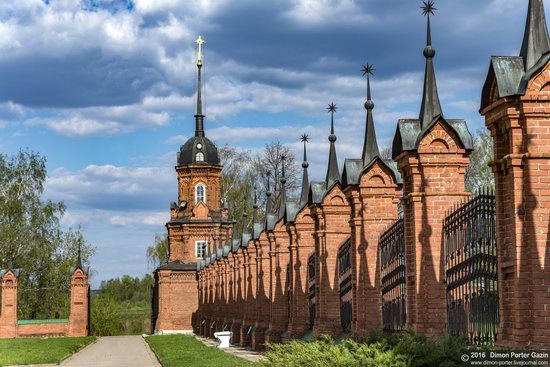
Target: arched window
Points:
(199, 157)
(200, 193)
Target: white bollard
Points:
(223, 337)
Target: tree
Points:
(478, 173)
(237, 183)
(32, 238)
(270, 160)
(242, 170)
(158, 253)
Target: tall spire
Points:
(431, 107)
(370, 146)
(282, 204)
(79, 257)
(268, 195)
(199, 117)
(535, 41)
(333, 174)
(305, 177)
(255, 207)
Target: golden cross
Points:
(199, 42)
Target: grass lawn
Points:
(185, 350)
(35, 350)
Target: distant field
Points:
(135, 320)
(185, 350)
(38, 351)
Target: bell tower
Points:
(197, 219)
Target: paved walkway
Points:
(235, 350)
(115, 351)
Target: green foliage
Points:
(479, 174)
(157, 254)
(185, 350)
(379, 350)
(122, 306)
(37, 351)
(104, 318)
(325, 352)
(33, 240)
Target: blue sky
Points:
(105, 89)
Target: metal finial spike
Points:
(427, 9)
(305, 139)
(332, 109)
(283, 159)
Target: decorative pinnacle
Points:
(268, 174)
(368, 70)
(283, 178)
(427, 9)
(305, 138)
(199, 41)
(255, 205)
(79, 258)
(332, 109)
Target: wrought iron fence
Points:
(392, 258)
(471, 269)
(311, 289)
(345, 285)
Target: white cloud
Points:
(325, 13)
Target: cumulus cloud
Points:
(109, 187)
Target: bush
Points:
(379, 350)
(324, 352)
(104, 318)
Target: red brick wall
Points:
(279, 257)
(520, 128)
(433, 179)
(300, 249)
(332, 229)
(43, 330)
(178, 300)
(374, 207)
(8, 313)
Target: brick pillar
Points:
(302, 245)
(238, 296)
(8, 316)
(520, 127)
(178, 299)
(332, 219)
(433, 181)
(262, 304)
(249, 289)
(374, 207)
(279, 255)
(80, 311)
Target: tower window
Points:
(200, 193)
(199, 157)
(200, 248)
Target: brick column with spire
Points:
(8, 312)
(279, 256)
(332, 230)
(80, 299)
(432, 154)
(373, 188)
(516, 106)
(263, 273)
(300, 227)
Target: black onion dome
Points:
(189, 152)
